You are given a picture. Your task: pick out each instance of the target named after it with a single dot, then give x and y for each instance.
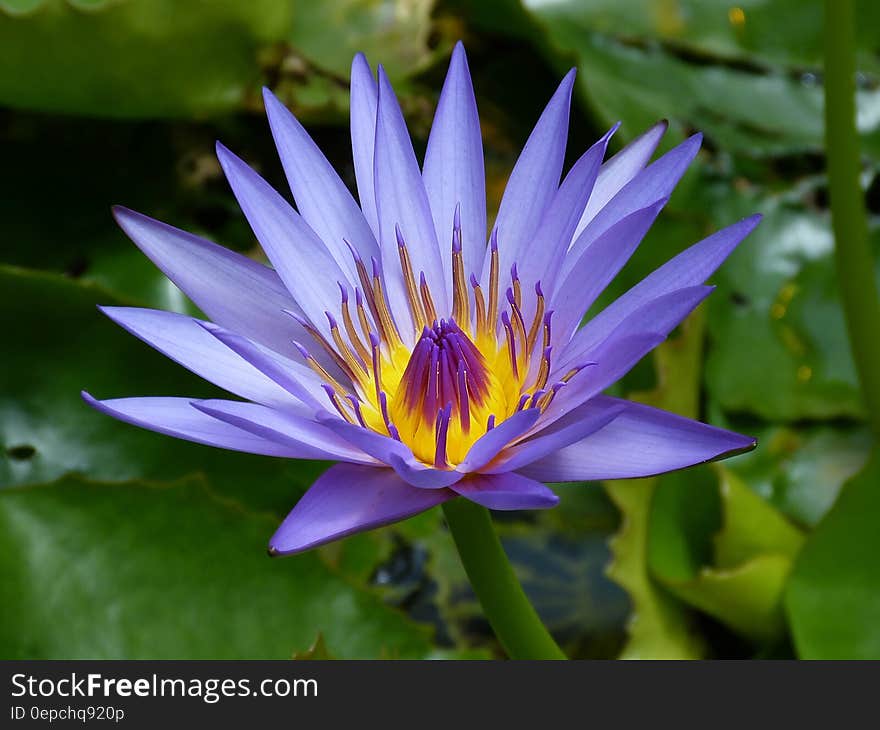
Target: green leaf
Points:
(172, 59)
(150, 58)
(658, 627)
(331, 33)
(833, 595)
(747, 598)
(801, 469)
(779, 346)
(734, 72)
(736, 573)
(318, 650)
(64, 345)
(751, 527)
(171, 572)
(750, 113)
(782, 31)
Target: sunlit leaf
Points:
(800, 469)
(718, 546)
(833, 596)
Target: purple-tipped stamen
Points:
(441, 431)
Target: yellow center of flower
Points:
(464, 375)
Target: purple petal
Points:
(637, 335)
(301, 259)
(176, 417)
(552, 239)
(506, 492)
(309, 438)
(298, 380)
(691, 267)
(453, 170)
(489, 444)
(595, 269)
(321, 197)
(392, 452)
(532, 183)
(655, 182)
(348, 499)
(573, 426)
(188, 343)
(401, 201)
(364, 100)
(658, 316)
(614, 358)
(641, 441)
(233, 290)
(619, 170)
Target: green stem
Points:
(512, 617)
(855, 268)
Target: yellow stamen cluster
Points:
(463, 375)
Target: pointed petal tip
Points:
(108, 310)
(278, 549)
(745, 445)
(210, 327)
(269, 96)
(361, 72)
(120, 212)
(458, 59)
(224, 154)
(566, 86)
(274, 106)
(741, 229)
(201, 407)
(126, 218)
(658, 204)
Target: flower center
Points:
(446, 394)
(464, 374)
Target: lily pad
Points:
(801, 469)
(161, 58)
(833, 596)
(718, 546)
(779, 348)
(745, 74)
(145, 571)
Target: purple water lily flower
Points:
(390, 337)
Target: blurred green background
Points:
(119, 543)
